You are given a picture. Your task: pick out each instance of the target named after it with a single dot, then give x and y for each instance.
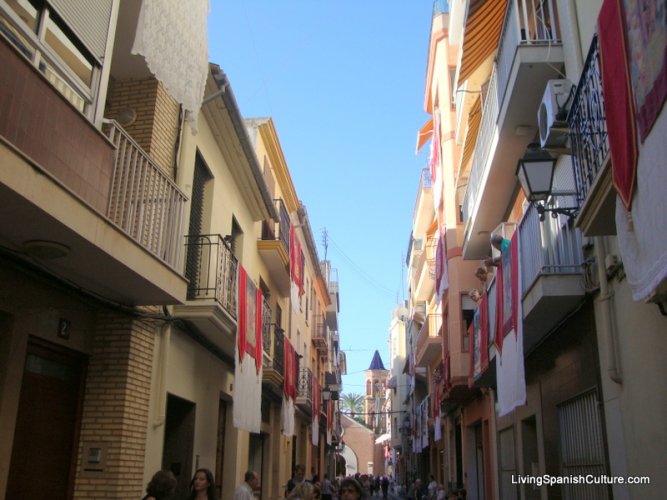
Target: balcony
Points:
(590, 151)
(429, 341)
(211, 300)
(551, 273)
(273, 371)
(424, 211)
(60, 174)
(273, 248)
(529, 54)
(304, 390)
(331, 278)
(486, 377)
(320, 338)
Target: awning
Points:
(383, 438)
(430, 231)
(482, 32)
(424, 134)
(474, 120)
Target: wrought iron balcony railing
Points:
(587, 124)
(211, 269)
(274, 348)
(304, 394)
(144, 202)
(266, 326)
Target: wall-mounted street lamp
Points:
(536, 172)
(329, 394)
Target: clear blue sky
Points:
(344, 83)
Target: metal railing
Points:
(491, 303)
(527, 22)
(274, 349)
(440, 7)
(144, 202)
(550, 247)
(424, 184)
(587, 124)
(211, 269)
(266, 326)
(278, 230)
(487, 130)
(304, 387)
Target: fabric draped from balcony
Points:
(441, 270)
(510, 367)
(642, 239)
(639, 176)
(289, 389)
(618, 106)
(647, 56)
(315, 431)
(296, 260)
(435, 162)
(178, 29)
(436, 398)
(479, 352)
(330, 416)
(248, 370)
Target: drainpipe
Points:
(161, 376)
(606, 320)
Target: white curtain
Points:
(172, 37)
(643, 241)
(287, 416)
(510, 367)
(247, 394)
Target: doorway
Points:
(47, 423)
(179, 434)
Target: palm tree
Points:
(353, 405)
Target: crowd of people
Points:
(357, 487)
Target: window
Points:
(468, 307)
(44, 38)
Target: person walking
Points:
(384, 485)
(325, 488)
(161, 486)
(202, 486)
(246, 491)
(298, 478)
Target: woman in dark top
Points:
(161, 486)
(202, 486)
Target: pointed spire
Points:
(377, 363)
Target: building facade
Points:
(541, 373)
(153, 233)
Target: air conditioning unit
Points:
(552, 114)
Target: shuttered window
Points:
(582, 446)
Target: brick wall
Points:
(115, 408)
(156, 125)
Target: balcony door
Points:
(201, 178)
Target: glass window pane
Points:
(59, 41)
(28, 13)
